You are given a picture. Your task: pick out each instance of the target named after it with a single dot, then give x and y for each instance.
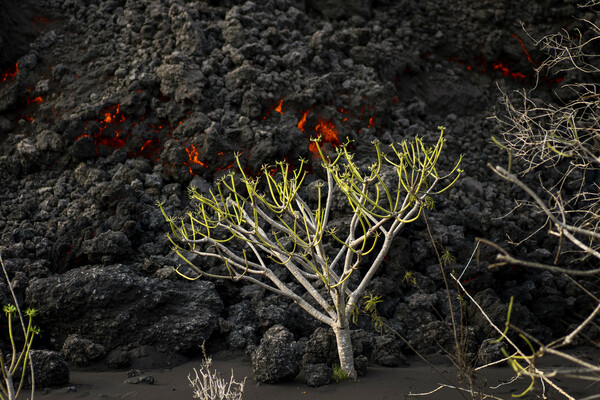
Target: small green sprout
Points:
(9, 309)
(448, 258)
(410, 278)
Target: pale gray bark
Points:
(344, 348)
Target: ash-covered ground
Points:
(109, 106)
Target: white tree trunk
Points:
(344, 348)
(10, 386)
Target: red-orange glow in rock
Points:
(302, 121)
(372, 121)
(115, 142)
(507, 72)
(230, 165)
(150, 149)
(278, 108)
(9, 73)
(110, 117)
(328, 132)
(524, 49)
(193, 156)
(37, 99)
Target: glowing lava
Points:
(37, 99)
(193, 157)
(9, 73)
(524, 49)
(506, 72)
(502, 67)
(112, 117)
(302, 121)
(150, 150)
(328, 133)
(278, 108)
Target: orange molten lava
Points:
(115, 117)
(328, 132)
(278, 108)
(37, 99)
(111, 117)
(302, 121)
(193, 156)
(313, 148)
(9, 73)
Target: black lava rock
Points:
(317, 374)
(112, 307)
(276, 359)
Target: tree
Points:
(563, 136)
(15, 365)
(256, 232)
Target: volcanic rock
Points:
(108, 107)
(342, 9)
(112, 306)
(81, 351)
(276, 359)
(388, 352)
(317, 374)
(50, 369)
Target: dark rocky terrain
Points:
(108, 106)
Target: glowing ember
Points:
(302, 121)
(499, 65)
(507, 72)
(193, 156)
(230, 165)
(328, 132)
(278, 108)
(372, 121)
(110, 117)
(37, 99)
(150, 150)
(524, 49)
(9, 73)
(114, 142)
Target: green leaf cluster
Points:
(17, 361)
